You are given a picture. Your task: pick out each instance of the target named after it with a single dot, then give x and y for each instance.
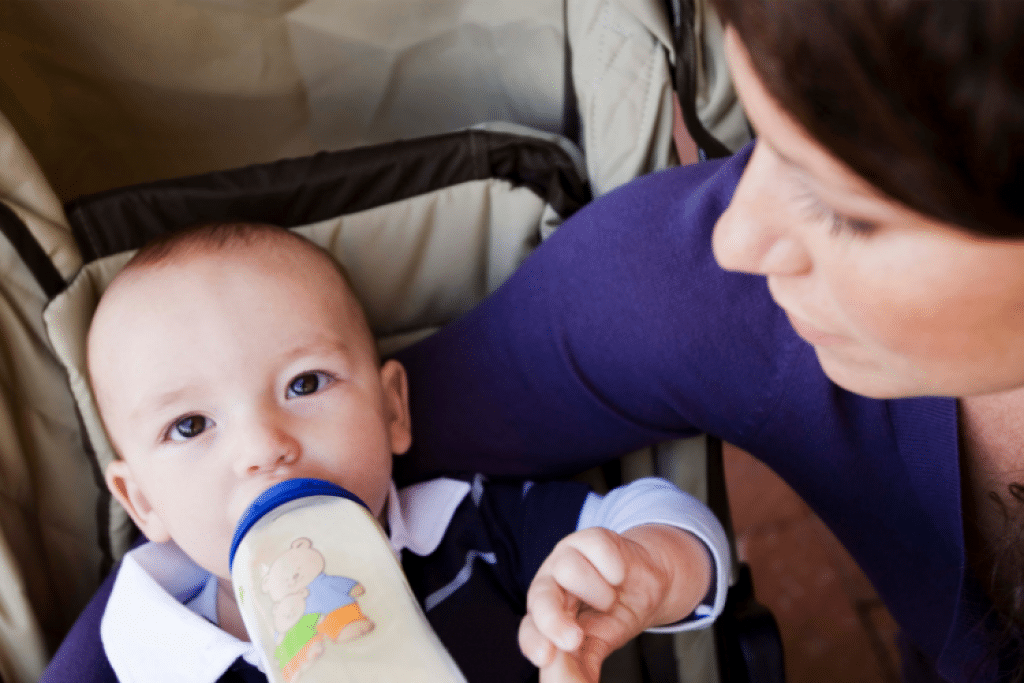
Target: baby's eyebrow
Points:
(159, 402)
(319, 346)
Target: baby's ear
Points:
(124, 487)
(396, 405)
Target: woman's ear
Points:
(124, 487)
(396, 406)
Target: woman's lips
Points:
(813, 335)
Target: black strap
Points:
(39, 264)
(718, 495)
(658, 658)
(570, 105)
(747, 637)
(683, 24)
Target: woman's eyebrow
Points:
(840, 190)
(803, 167)
(784, 158)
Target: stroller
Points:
(429, 146)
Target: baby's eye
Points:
(308, 383)
(188, 428)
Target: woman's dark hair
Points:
(922, 98)
(1005, 558)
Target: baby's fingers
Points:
(534, 645)
(603, 549)
(565, 668)
(552, 612)
(590, 565)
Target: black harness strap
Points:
(39, 264)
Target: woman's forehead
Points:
(777, 129)
(802, 157)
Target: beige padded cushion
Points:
(108, 93)
(47, 491)
(44, 518)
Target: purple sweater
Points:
(622, 331)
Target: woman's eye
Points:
(308, 383)
(814, 209)
(188, 428)
(858, 226)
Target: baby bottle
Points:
(323, 596)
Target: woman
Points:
(845, 300)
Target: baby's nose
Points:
(270, 447)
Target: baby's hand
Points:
(597, 589)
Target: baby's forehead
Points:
(286, 267)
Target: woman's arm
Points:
(619, 331)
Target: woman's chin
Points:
(870, 379)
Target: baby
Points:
(230, 357)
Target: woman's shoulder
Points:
(634, 294)
(680, 204)
(621, 330)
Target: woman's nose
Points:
(268, 446)
(755, 234)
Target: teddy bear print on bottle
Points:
(323, 596)
(310, 608)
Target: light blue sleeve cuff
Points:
(656, 501)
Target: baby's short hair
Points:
(203, 238)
